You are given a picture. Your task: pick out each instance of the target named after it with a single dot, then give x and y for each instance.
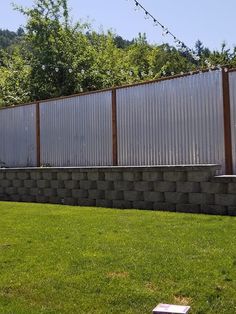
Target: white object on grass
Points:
(171, 309)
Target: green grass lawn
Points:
(62, 259)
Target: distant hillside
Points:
(8, 38)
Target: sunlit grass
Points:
(61, 259)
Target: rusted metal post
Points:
(227, 123)
(114, 129)
(38, 144)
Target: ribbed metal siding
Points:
(77, 131)
(18, 136)
(232, 87)
(178, 121)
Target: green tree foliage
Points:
(52, 57)
(54, 49)
(8, 38)
(14, 79)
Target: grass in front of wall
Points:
(61, 259)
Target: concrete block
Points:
(2, 190)
(28, 198)
(214, 187)
(86, 202)
(231, 189)
(153, 196)
(30, 183)
(152, 176)
(71, 184)
(122, 204)
(17, 183)
(232, 210)
(133, 196)
(225, 199)
(143, 205)
(96, 194)
(23, 175)
(175, 176)
(55, 200)
(76, 175)
(62, 193)
(105, 185)
(42, 199)
(36, 191)
(10, 190)
(165, 186)
(114, 195)
(56, 184)
(201, 198)
(214, 209)
(186, 187)
(224, 179)
(176, 197)
(164, 206)
(36, 175)
(23, 191)
(79, 193)
(188, 208)
(96, 175)
(199, 176)
(5, 183)
(132, 176)
(3, 197)
(88, 185)
(50, 192)
(113, 176)
(144, 186)
(51, 175)
(70, 201)
(11, 175)
(15, 198)
(43, 184)
(123, 185)
(2, 174)
(64, 176)
(104, 203)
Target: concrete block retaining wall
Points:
(193, 189)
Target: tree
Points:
(55, 49)
(9, 38)
(14, 79)
(52, 57)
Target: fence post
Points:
(227, 123)
(38, 145)
(114, 129)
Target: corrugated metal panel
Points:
(18, 136)
(77, 131)
(232, 88)
(177, 121)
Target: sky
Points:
(211, 21)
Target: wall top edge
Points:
(224, 179)
(196, 167)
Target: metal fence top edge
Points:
(110, 89)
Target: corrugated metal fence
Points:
(179, 120)
(77, 131)
(172, 122)
(18, 136)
